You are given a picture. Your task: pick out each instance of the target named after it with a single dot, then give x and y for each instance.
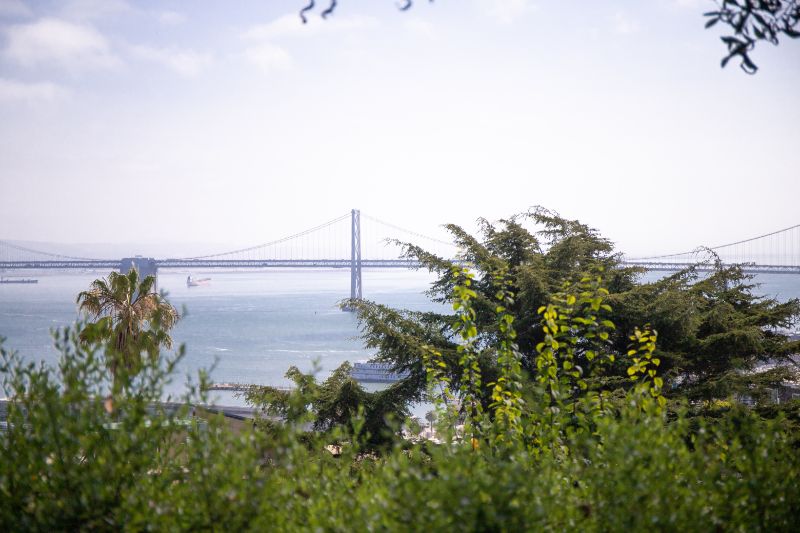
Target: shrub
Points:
(547, 453)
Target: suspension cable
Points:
(39, 252)
(414, 233)
(271, 243)
(717, 247)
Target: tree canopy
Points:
(129, 317)
(718, 339)
(330, 406)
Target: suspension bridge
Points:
(777, 252)
(346, 242)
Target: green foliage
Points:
(543, 457)
(560, 403)
(644, 367)
(507, 402)
(71, 453)
(329, 408)
(130, 319)
(715, 334)
(470, 390)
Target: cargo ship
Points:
(191, 282)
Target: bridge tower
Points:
(355, 254)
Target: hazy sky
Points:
(231, 122)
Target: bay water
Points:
(249, 327)
(244, 327)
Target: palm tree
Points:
(430, 416)
(129, 317)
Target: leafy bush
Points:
(549, 453)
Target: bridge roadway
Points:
(114, 264)
(750, 268)
(210, 263)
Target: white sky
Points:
(231, 122)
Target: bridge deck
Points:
(114, 264)
(210, 263)
(747, 267)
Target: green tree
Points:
(130, 318)
(718, 338)
(504, 257)
(430, 416)
(714, 331)
(331, 406)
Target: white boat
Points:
(191, 282)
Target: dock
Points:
(240, 387)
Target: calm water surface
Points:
(248, 326)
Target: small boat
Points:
(191, 282)
(18, 280)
